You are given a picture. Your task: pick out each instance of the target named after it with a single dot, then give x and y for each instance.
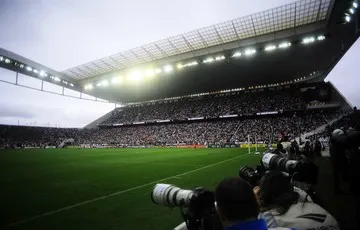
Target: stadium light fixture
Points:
(308, 40)
(98, 84)
(104, 83)
(284, 45)
(21, 66)
(219, 58)
(88, 87)
(71, 84)
(351, 11)
(158, 70)
(347, 18)
(57, 79)
(116, 80)
(149, 72)
(355, 4)
(1, 58)
(179, 66)
(193, 63)
(321, 37)
(208, 60)
(135, 76)
(42, 73)
(28, 68)
(270, 48)
(7, 61)
(168, 68)
(236, 54)
(35, 71)
(249, 52)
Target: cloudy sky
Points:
(65, 33)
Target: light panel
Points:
(237, 54)
(57, 79)
(284, 45)
(116, 80)
(28, 68)
(208, 60)
(308, 40)
(321, 37)
(249, 52)
(270, 48)
(168, 68)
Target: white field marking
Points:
(117, 193)
(134, 162)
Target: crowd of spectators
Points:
(245, 103)
(201, 132)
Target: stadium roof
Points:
(209, 39)
(301, 41)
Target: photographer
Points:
(278, 199)
(236, 205)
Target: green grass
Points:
(34, 182)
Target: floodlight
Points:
(71, 84)
(168, 68)
(219, 58)
(284, 45)
(179, 66)
(43, 74)
(351, 10)
(88, 86)
(158, 70)
(191, 63)
(321, 37)
(208, 60)
(355, 4)
(57, 79)
(1, 58)
(135, 76)
(28, 68)
(149, 72)
(237, 54)
(35, 71)
(21, 66)
(104, 83)
(347, 18)
(308, 40)
(116, 80)
(250, 52)
(7, 61)
(270, 48)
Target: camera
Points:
(303, 170)
(196, 206)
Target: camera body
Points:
(197, 206)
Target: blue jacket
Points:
(259, 224)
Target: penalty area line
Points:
(117, 193)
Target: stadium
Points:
(188, 110)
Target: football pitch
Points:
(104, 188)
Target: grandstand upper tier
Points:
(300, 41)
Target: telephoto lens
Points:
(171, 196)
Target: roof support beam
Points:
(137, 56)
(189, 45)
(318, 12)
(161, 50)
(173, 46)
(219, 37)
(237, 35)
(148, 53)
(108, 64)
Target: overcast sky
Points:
(64, 33)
